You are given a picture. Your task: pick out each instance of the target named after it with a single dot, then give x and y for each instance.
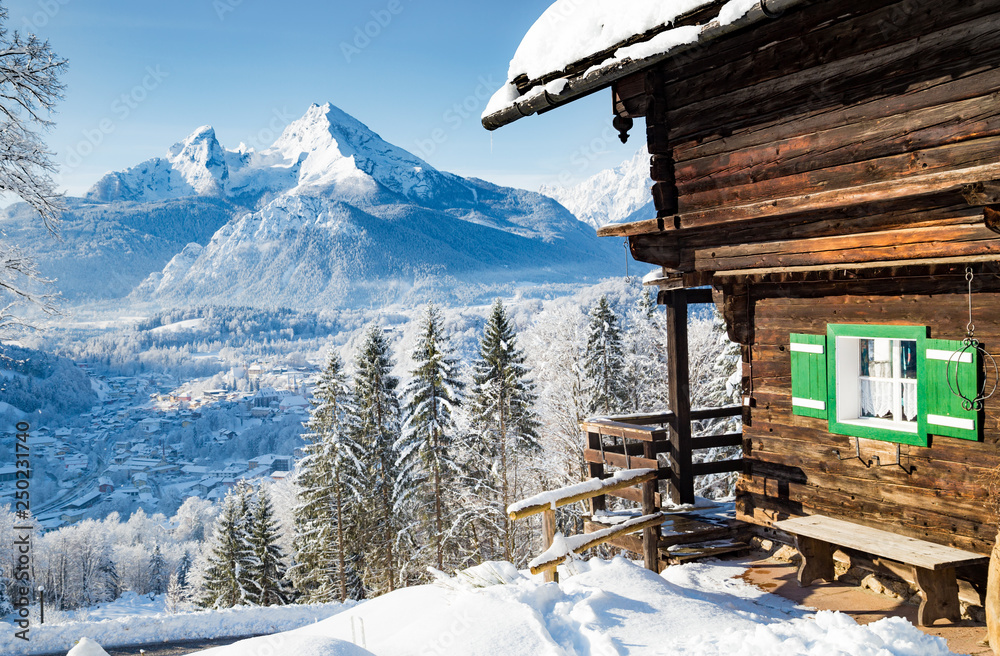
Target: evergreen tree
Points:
(112, 580)
(381, 491)
(228, 563)
(183, 568)
(267, 571)
(604, 361)
(502, 412)
(645, 347)
(322, 543)
(157, 572)
(433, 394)
(176, 594)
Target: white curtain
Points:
(876, 398)
(909, 402)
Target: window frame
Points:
(873, 428)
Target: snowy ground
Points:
(603, 608)
(135, 619)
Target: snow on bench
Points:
(552, 499)
(562, 546)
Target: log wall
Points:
(791, 467)
(859, 127)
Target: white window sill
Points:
(882, 424)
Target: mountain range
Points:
(329, 214)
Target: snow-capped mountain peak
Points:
(326, 153)
(195, 166)
(201, 161)
(611, 196)
(333, 147)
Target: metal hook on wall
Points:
(857, 453)
(899, 463)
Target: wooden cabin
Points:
(831, 170)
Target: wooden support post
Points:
(817, 560)
(650, 535)
(595, 470)
(549, 534)
(938, 595)
(682, 477)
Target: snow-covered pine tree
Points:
(434, 392)
(245, 500)
(183, 568)
(645, 349)
(157, 572)
(503, 418)
(380, 495)
(112, 580)
(604, 361)
(175, 594)
(267, 571)
(225, 574)
(322, 542)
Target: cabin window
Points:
(877, 382)
(883, 382)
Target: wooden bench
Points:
(933, 565)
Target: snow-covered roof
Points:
(580, 46)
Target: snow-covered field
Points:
(601, 608)
(135, 619)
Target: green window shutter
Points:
(809, 375)
(942, 410)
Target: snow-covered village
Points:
(562, 327)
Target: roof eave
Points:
(539, 100)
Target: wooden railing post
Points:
(549, 534)
(682, 476)
(651, 534)
(595, 470)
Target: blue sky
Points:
(143, 75)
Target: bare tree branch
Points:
(29, 91)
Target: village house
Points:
(150, 425)
(825, 172)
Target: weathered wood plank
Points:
(875, 142)
(818, 35)
(928, 555)
(561, 498)
(937, 92)
(634, 495)
(887, 245)
(718, 467)
(619, 460)
(952, 181)
(629, 527)
(830, 83)
(794, 178)
(716, 441)
(625, 431)
(630, 542)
